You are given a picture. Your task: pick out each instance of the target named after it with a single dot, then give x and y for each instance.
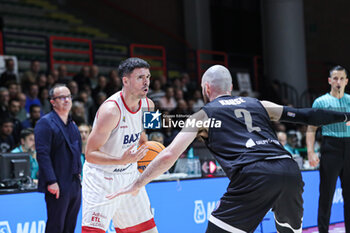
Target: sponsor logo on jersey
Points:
(131, 138)
(250, 142)
(97, 219)
(291, 114)
(122, 169)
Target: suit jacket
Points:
(58, 149)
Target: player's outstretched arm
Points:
(108, 118)
(165, 159)
(309, 116)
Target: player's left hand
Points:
(130, 189)
(348, 123)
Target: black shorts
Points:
(254, 190)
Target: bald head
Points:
(216, 81)
(219, 78)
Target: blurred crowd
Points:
(24, 100)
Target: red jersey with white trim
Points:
(126, 134)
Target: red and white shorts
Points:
(129, 213)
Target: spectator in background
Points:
(176, 83)
(42, 81)
(279, 127)
(115, 84)
(163, 81)
(198, 101)
(190, 104)
(156, 136)
(82, 78)
(101, 97)
(301, 132)
(156, 92)
(179, 95)
(84, 130)
(4, 101)
(14, 89)
(28, 145)
(44, 100)
(34, 116)
(335, 149)
(90, 100)
(78, 113)
(188, 86)
(33, 96)
(58, 146)
(168, 102)
(181, 112)
(94, 73)
(30, 76)
(282, 138)
(74, 89)
(7, 141)
(63, 75)
(14, 107)
(9, 74)
(101, 87)
(85, 98)
(168, 132)
(244, 94)
(22, 114)
(50, 81)
(292, 142)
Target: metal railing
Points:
(206, 58)
(71, 60)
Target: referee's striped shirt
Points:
(329, 102)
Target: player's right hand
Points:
(130, 189)
(132, 157)
(313, 159)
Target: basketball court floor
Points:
(334, 228)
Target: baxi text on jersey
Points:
(131, 138)
(192, 123)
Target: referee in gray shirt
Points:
(335, 150)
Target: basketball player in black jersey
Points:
(262, 173)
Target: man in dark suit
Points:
(58, 146)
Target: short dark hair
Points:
(5, 120)
(52, 90)
(8, 60)
(127, 66)
(31, 108)
(13, 100)
(337, 68)
(26, 132)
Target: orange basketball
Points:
(154, 148)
